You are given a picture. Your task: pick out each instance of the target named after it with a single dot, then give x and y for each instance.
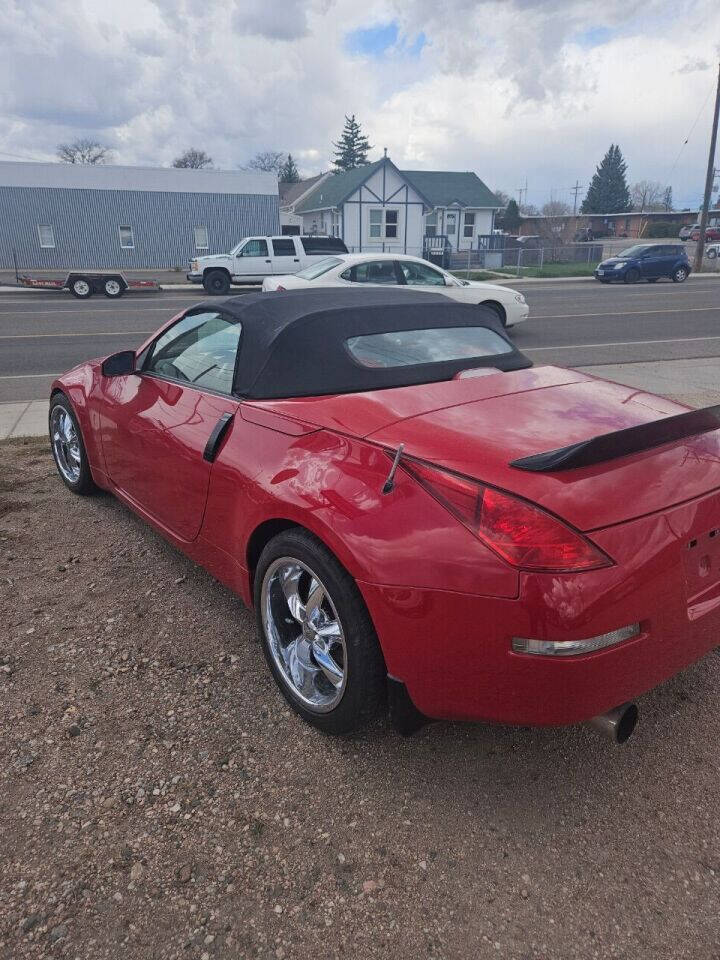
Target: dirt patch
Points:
(158, 799)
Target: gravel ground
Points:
(158, 799)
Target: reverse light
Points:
(522, 534)
(573, 648)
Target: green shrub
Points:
(661, 228)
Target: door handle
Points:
(268, 261)
(215, 438)
(296, 260)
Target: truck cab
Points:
(255, 258)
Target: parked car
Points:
(687, 231)
(711, 233)
(410, 510)
(646, 261)
(255, 258)
(362, 270)
(712, 251)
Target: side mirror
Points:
(119, 364)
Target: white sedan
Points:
(399, 270)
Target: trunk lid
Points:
(480, 437)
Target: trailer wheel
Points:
(81, 288)
(113, 287)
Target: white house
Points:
(378, 207)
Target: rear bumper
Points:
(454, 651)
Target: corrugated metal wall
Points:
(85, 224)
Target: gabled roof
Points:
(290, 192)
(445, 189)
(437, 189)
(337, 188)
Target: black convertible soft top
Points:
(293, 343)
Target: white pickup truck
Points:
(255, 258)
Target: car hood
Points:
(611, 261)
(494, 288)
(214, 258)
(478, 426)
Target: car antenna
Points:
(390, 482)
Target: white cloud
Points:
(508, 88)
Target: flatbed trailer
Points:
(84, 283)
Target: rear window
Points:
(402, 348)
(318, 245)
(319, 268)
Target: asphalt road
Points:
(571, 324)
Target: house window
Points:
(47, 235)
(431, 224)
(383, 223)
(127, 240)
(450, 223)
(201, 238)
(469, 227)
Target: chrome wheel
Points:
(81, 288)
(65, 444)
(304, 634)
(113, 288)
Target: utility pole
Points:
(575, 191)
(700, 249)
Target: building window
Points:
(47, 235)
(469, 227)
(431, 224)
(450, 223)
(383, 223)
(201, 238)
(127, 240)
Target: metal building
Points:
(58, 215)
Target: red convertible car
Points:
(414, 513)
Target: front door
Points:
(652, 263)
(157, 422)
(253, 260)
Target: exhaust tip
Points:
(617, 724)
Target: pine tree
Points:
(511, 218)
(352, 148)
(608, 191)
(288, 172)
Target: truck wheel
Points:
(113, 287)
(81, 288)
(217, 283)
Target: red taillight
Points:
(524, 535)
(280, 288)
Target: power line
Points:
(19, 156)
(692, 130)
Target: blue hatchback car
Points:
(646, 261)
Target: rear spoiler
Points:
(610, 446)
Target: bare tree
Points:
(83, 150)
(647, 195)
(503, 197)
(556, 208)
(270, 161)
(193, 159)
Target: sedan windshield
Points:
(316, 270)
(634, 251)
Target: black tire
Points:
(365, 683)
(632, 276)
(84, 485)
(113, 288)
(680, 275)
(81, 288)
(217, 283)
(497, 309)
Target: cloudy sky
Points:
(513, 89)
